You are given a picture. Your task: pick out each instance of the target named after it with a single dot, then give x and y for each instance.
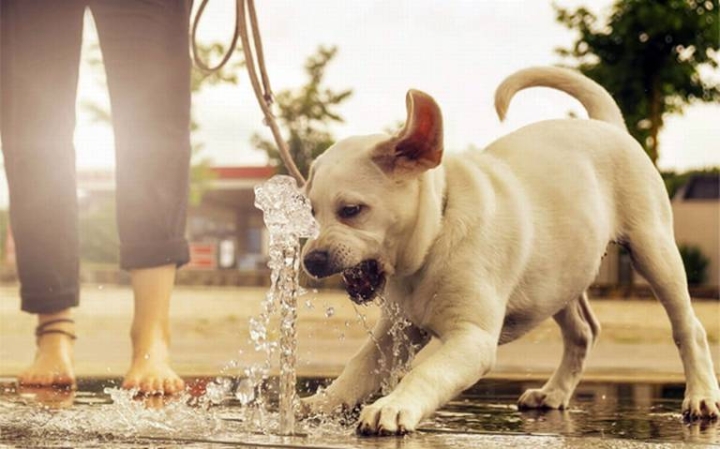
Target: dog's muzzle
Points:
(363, 281)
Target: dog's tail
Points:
(596, 100)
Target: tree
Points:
(306, 114)
(650, 56)
(696, 264)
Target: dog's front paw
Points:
(387, 417)
(537, 398)
(704, 405)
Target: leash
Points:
(253, 63)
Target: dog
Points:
(478, 248)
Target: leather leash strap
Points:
(261, 87)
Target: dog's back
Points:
(588, 181)
(633, 181)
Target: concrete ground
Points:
(210, 335)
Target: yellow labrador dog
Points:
(477, 248)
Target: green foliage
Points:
(306, 114)
(650, 56)
(696, 264)
(227, 75)
(674, 180)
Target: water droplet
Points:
(330, 311)
(215, 393)
(245, 392)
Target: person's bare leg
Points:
(53, 364)
(150, 370)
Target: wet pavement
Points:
(630, 395)
(602, 415)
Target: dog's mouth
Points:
(364, 280)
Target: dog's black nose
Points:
(316, 263)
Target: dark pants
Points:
(145, 50)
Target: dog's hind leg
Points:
(580, 330)
(656, 257)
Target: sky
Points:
(457, 51)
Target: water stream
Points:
(288, 216)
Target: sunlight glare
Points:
(94, 141)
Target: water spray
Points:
(288, 216)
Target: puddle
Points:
(644, 412)
(101, 415)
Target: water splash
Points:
(392, 365)
(288, 216)
(398, 362)
(102, 419)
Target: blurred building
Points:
(696, 210)
(696, 213)
(229, 243)
(226, 230)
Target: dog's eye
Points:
(349, 211)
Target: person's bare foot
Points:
(53, 364)
(150, 371)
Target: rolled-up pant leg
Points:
(145, 49)
(40, 43)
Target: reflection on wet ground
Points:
(649, 412)
(100, 415)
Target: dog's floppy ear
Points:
(419, 145)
